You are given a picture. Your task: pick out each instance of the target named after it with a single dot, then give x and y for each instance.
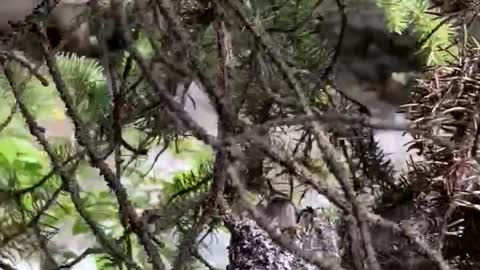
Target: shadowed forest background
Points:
(158, 134)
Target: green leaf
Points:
(27, 201)
(8, 150)
(28, 159)
(80, 227)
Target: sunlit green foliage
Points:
(434, 34)
(87, 85)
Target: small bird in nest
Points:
(284, 216)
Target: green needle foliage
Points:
(87, 85)
(435, 35)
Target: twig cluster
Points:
(233, 131)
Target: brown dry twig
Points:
(126, 211)
(14, 55)
(69, 183)
(323, 143)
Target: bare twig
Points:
(199, 257)
(9, 118)
(50, 260)
(323, 143)
(432, 254)
(86, 253)
(46, 177)
(126, 211)
(165, 7)
(172, 105)
(69, 182)
(24, 62)
(329, 119)
(338, 46)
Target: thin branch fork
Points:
(126, 208)
(165, 7)
(69, 183)
(201, 134)
(14, 55)
(340, 173)
(329, 119)
(111, 177)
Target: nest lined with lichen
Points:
(446, 111)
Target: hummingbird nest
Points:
(445, 111)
